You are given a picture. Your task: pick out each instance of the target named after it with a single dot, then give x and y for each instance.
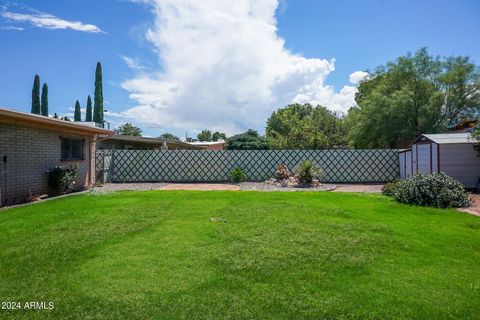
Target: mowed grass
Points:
(158, 255)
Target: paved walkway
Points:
(475, 208)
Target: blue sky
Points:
(184, 66)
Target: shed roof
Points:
(24, 118)
(448, 138)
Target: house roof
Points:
(207, 143)
(447, 138)
(150, 140)
(24, 118)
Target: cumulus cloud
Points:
(224, 67)
(358, 76)
(48, 21)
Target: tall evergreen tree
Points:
(77, 116)
(88, 116)
(36, 95)
(98, 96)
(44, 102)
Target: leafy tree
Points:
(88, 116)
(302, 126)
(169, 136)
(205, 135)
(36, 95)
(44, 102)
(218, 136)
(98, 95)
(77, 115)
(249, 140)
(415, 94)
(128, 129)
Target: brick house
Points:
(32, 144)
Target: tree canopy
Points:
(205, 135)
(36, 95)
(219, 136)
(98, 95)
(418, 93)
(77, 116)
(88, 116)
(249, 140)
(302, 126)
(128, 129)
(169, 136)
(44, 101)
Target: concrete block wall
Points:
(30, 153)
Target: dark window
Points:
(72, 149)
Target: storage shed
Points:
(451, 153)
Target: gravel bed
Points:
(262, 186)
(111, 187)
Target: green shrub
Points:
(390, 188)
(62, 179)
(307, 171)
(237, 175)
(432, 190)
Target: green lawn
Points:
(142, 255)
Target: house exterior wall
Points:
(30, 152)
(461, 162)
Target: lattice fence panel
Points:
(338, 165)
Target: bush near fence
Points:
(338, 165)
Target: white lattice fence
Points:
(338, 165)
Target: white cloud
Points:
(133, 63)
(224, 67)
(48, 21)
(358, 76)
(12, 28)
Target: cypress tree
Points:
(88, 116)
(77, 116)
(36, 95)
(98, 95)
(44, 102)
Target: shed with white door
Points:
(451, 153)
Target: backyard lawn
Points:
(314, 255)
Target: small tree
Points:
(169, 136)
(88, 116)
(36, 95)
(128, 129)
(78, 115)
(44, 102)
(205, 135)
(218, 136)
(249, 140)
(98, 95)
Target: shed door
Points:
(424, 158)
(408, 164)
